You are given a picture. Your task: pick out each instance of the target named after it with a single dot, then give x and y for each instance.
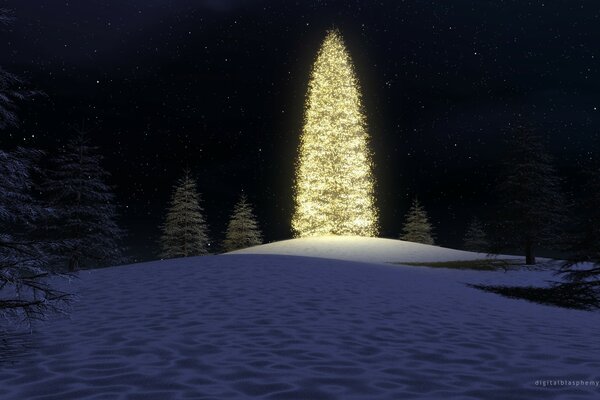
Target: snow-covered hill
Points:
(281, 327)
(363, 249)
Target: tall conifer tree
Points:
(583, 242)
(25, 260)
(25, 288)
(85, 214)
(531, 209)
(334, 177)
(12, 87)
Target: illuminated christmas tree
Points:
(334, 177)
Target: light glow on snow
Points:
(364, 249)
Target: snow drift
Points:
(363, 249)
(280, 327)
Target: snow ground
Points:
(371, 250)
(282, 327)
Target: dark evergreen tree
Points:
(417, 227)
(531, 209)
(475, 238)
(25, 290)
(10, 93)
(85, 213)
(243, 230)
(12, 88)
(583, 244)
(6, 17)
(185, 232)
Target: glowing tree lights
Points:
(334, 178)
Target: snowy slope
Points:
(280, 327)
(353, 248)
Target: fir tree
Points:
(334, 178)
(475, 237)
(84, 211)
(243, 230)
(583, 244)
(11, 93)
(185, 232)
(417, 227)
(530, 212)
(25, 290)
(11, 86)
(6, 17)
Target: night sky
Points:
(219, 86)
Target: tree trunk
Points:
(529, 256)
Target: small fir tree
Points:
(531, 207)
(185, 232)
(243, 230)
(85, 214)
(417, 227)
(475, 238)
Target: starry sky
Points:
(219, 86)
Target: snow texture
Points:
(281, 327)
(372, 250)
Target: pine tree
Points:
(6, 17)
(11, 86)
(243, 230)
(185, 232)
(417, 227)
(583, 244)
(531, 207)
(11, 93)
(334, 179)
(475, 237)
(85, 213)
(25, 290)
